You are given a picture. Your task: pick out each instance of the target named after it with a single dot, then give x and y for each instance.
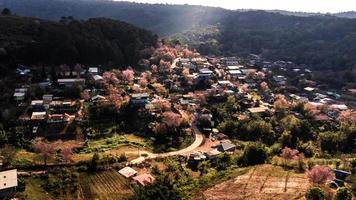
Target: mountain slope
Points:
(95, 41)
(323, 42)
(159, 18)
(162, 19)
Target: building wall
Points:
(8, 179)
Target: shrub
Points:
(253, 154)
(306, 148)
(310, 163)
(21, 163)
(275, 149)
(351, 180)
(122, 158)
(343, 194)
(94, 162)
(315, 193)
(353, 165)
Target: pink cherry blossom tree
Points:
(281, 102)
(347, 117)
(264, 86)
(289, 154)
(160, 89)
(154, 68)
(85, 95)
(172, 119)
(45, 150)
(260, 75)
(164, 66)
(162, 104)
(66, 153)
(187, 53)
(110, 78)
(128, 75)
(320, 175)
(244, 88)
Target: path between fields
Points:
(199, 138)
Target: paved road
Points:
(199, 138)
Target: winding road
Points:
(199, 138)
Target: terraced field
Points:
(261, 183)
(107, 185)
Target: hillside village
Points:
(185, 112)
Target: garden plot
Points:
(261, 182)
(107, 185)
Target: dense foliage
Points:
(95, 41)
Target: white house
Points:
(8, 179)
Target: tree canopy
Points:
(95, 41)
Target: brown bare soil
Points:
(207, 145)
(261, 183)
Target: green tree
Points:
(315, 193)
(203, 167)
(3, 138)
(298, 129)
(222, 161)
(6, 12)
(253, 154)
(162, 189)
(229, 127)
(7, 154)
(257, 130)
(21, 186)
(348, 138)
(343, 194)
(330, 141)
(94, 162)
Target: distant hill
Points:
(162, 19)
(26, 40)
(159, 18)
(323, 42)
(351, 14)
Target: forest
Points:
(162, 19)
(95, 41)
(322, 41)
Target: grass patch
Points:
(33, 190)
(112, 142)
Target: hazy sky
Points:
(323, 6)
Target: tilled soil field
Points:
(261, 183)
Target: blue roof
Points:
(342, 172)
